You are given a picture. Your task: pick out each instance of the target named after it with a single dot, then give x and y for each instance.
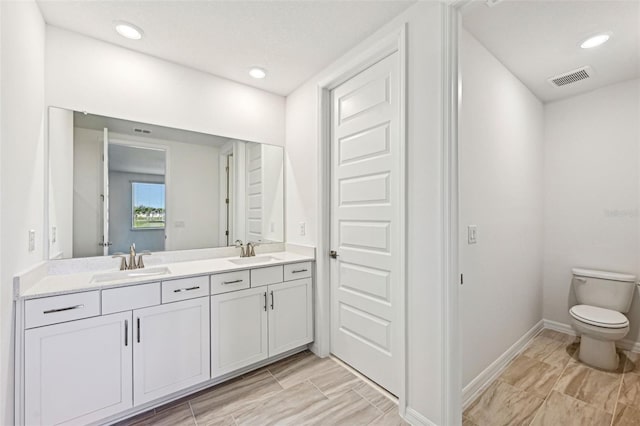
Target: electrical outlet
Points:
(32, 240)
(272, 227)
(303, 229)
(53, 234)
(179, 224)
(472, 234)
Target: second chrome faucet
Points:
(133, 262)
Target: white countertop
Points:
(51, 285)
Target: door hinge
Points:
(226, 200)
(226, 233)
(461, 279)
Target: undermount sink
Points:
(253, 260)
(133, 273)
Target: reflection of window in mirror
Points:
(148, 209)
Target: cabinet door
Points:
(238, 330)
(290, 315)
(78, 372)
(170, 349)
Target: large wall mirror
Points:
(115, 182)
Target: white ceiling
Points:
(133, 159)
(293, 40)
(536, 40)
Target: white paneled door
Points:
(365, 222)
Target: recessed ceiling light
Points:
(128, 30)
(596, 40)
(257, 72)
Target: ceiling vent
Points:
(492, 3)
(145, 131)
(571, 77)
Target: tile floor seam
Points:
(615, 406)
(544, 400)
(366, 399)
(314, 385)
(365, 379)
(192, 413)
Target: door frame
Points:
(393, 42)
(134, 143)
(452, 279)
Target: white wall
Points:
(22, 177)
(592, 192)
(85, 74)
(424, 255)
(501, 163)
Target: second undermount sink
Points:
(133, 273)
(253, 260)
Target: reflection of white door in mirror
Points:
(106, 243)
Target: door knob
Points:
(333, 254)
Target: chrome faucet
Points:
(251, 248)
(132, 257)
(123, 260)
(140, 261)
(243, 252)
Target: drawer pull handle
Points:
(53, 311)
(231, 282)
(298, 271)
(180, 290)
(265, 301)
(272, 300)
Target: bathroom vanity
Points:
(97, 347)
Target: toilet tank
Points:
(610, 290)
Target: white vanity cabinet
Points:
(95, 356)
(170, 348)
(290, 315)
(251, 325)
(78, 372)
(238, 330)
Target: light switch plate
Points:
(472, 234)
(32, 239)
(303, 229)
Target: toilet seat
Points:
(599, 317)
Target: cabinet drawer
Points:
(68, 307)
(230, 281)
(185, 288)
(266, 276)
(130, 298)
(296, 271)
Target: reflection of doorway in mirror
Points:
(137, 208)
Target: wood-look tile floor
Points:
(300, 390)
(546, 385)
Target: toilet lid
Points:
(599, 317)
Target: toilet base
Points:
(598, 353)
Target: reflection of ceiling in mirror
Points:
(126, 127)
(132, 159)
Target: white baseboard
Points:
(560, 327)
(625, 344)
(416, 419)
(486, 377)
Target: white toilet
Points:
(603, 297)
